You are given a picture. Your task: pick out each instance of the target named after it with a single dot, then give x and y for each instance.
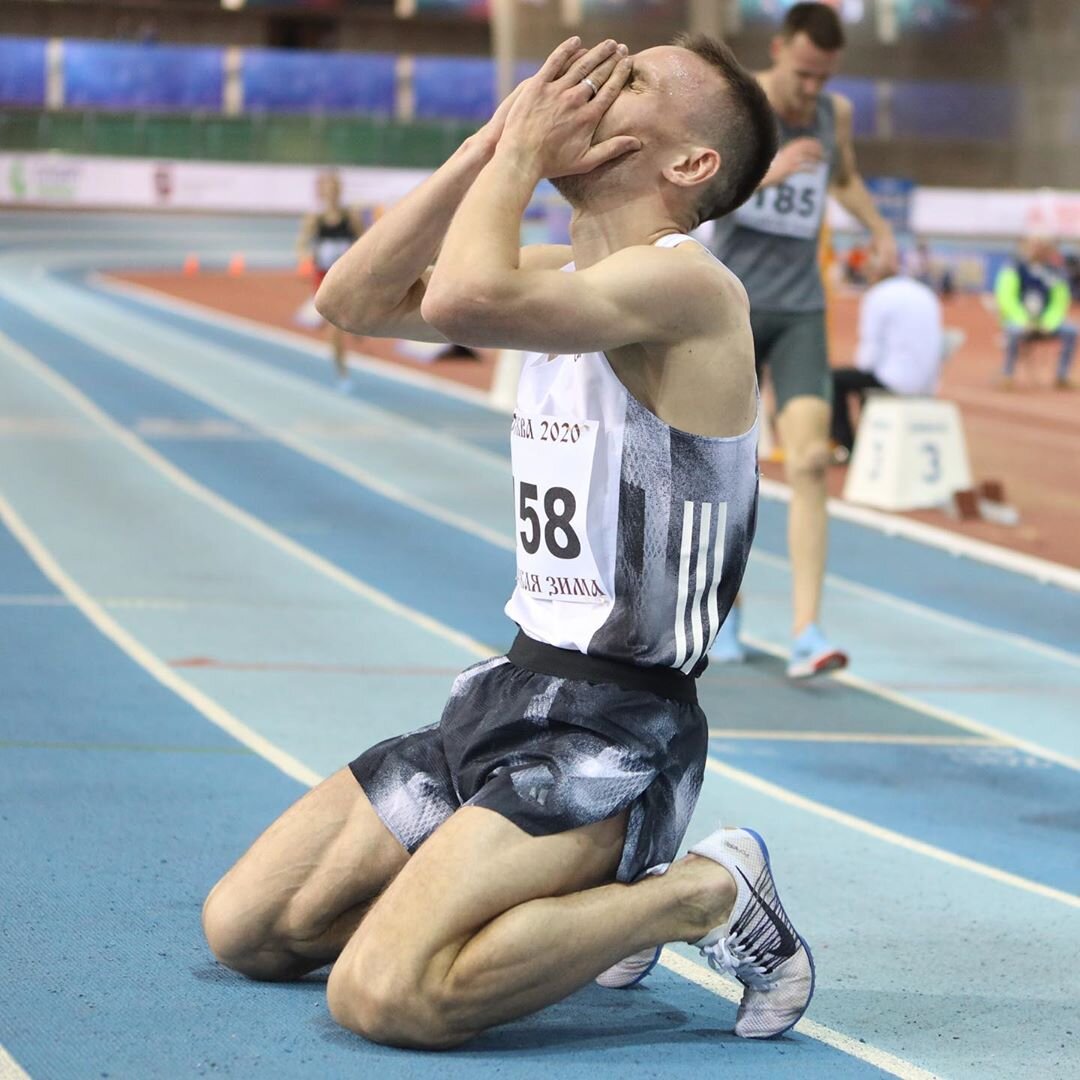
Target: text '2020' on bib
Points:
(552, 460)
(793, 208)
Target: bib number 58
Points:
(557, 531)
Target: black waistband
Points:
(570, 664)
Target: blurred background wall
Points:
(956, 92)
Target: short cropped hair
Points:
(819, 22)
(742, 129)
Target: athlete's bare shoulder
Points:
(730, 289)
(546, 256)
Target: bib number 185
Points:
(556, 531)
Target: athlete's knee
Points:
(809, 461)
(245, 939)
(386, 1005)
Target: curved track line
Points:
(1043, 570)
(191, 487)
(10, 1069)
(161, 671)
(446, 517)
(956, 622)
(944, 715)
(432, 625)
(919, 847)
(294, 768)
(727, 988)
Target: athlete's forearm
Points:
(480, 259)
(377, 272)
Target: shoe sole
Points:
(819, 665)
(655, 960)
(802, 942)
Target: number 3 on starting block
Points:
(910, 454)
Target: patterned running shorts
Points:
(549, 754)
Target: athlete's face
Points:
(668, 85)
(800, 71)
(330, 190)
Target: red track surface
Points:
(1029, 439)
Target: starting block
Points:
(910, 454)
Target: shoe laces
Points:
(735, 957)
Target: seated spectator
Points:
(901, 347)
(1033, 298)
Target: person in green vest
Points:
(1033, 299)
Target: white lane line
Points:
(1042, 570)
(290, 765)
(312, 351)
(946, 716)
(853, 737)
(888, 836)
(10, 1069)
(497, 539)
(313, 452)
(434, 626)
(1002, 558)
(164, 674)
(732, 991)
(234, 513)
(910, 607)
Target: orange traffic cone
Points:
(191, 265)
(305, 268)
(236, 265)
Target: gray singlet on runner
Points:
(771, 242)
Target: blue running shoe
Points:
(812, 654)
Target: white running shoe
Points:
(758, 944)
(631, 971)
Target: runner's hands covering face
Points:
(553, 118)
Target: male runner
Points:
(771, 244)
(484, 867)
(324, 237)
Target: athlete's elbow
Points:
(458, 313)
(330, 301)
(345, 306)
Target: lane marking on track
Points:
(10, 1069)
(294, 442)
(946, 716)
(297, 770)
(312, 350)
(355, 585)
(394, 493)
(169, 677)
(108, 626)
(889, 836)
(191, 487)
(732, 991)
(954, 622)
(1043, 570)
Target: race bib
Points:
(794, 208)
(552, 461)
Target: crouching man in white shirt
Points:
(901, 347)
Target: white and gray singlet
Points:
(632, 536)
